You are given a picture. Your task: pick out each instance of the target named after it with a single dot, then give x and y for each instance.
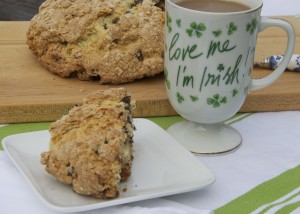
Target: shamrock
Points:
(251, 26)
(178, 22)
(217, 33)
(180, 98)
(196, 29)
(220, 67)
(231, 28)
(234, 92)
(216, 100)
(168, 84)
(194, 98)
(169, 22)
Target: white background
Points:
(281, 7)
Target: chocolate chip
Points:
(76, 72)
(64, 43)
(56, 57)
(120, 114)
(138, 2)
(160, 4)
(125, 130)
(139, 55)
(126, 100)
(115, 20)
(116, 41)
(95, 78)
(135, 2)
(105, 26)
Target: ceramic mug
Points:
(209, 58)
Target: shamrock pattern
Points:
(251, 26)
(216, 100)
(196, 29)
(234, 92)
(180, 98)
(178, 23)
(168, 84)
(220, 67)
(231, 28)
(217, 33)
(194, 98)
(169, 23)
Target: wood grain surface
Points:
(29, 93)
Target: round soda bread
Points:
(112, 41)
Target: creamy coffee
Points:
(217, 6)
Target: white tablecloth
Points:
(271, 146)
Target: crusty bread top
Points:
(113, 105)
(113, 41)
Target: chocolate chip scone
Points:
(91, 147)
(113, 41)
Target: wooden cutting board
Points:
(29, 93)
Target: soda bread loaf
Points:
(91, 147)
(111, 41)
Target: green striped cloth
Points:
(257, 201)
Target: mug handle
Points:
(269, 79)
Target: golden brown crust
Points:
(91, 147)
(113, 41)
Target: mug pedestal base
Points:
(206, 139)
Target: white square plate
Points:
(161, 167)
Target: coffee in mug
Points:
(216, 6)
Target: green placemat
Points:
(11, 129)
(20, 128)
(164, 122)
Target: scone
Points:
(113, 41)
(91, 147)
